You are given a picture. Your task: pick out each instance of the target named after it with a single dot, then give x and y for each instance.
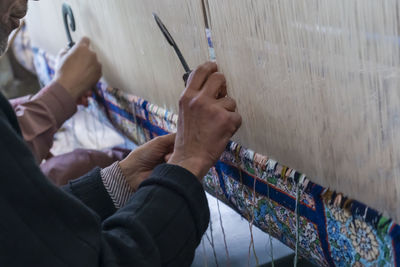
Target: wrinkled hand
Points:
(78, 70)
(138, 165)
(207, 121)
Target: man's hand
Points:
(138, 165)
(78, 70)
(207, 121)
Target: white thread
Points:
(223, 233)
(269, 229)
(211, 241)
(296, 255)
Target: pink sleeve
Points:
(19, 101)
(42, 116)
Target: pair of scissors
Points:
(67, 13)
(172, 42)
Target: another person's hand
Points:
(138, 165)
(207, 121)
(78, 70)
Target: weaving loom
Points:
(316, 85)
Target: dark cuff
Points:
(90, 190)
(184, 183)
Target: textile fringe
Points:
(211, 241)
(204, 252)
(237, 149)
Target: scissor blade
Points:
(171, 41)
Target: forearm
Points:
(41, 117)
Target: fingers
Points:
(83, 100)
(229, 121)
(167, 157)
(199, 76)
(85, 41)
(97, 69)
(167, 140)
(82, 45)
(215, 86)
(236, 119)
(62, 53)
(223, 91)
(227, 103)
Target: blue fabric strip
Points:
(129, 116)
(395, 234)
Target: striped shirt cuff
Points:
(116, 185)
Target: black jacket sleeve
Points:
(90, 190)
(170, 214)
(41, 225)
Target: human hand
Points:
(138, 165)
(207, 121)
(78, 70)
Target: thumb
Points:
(167, 157)
(85, 41)
(60, 56)
(62, 53)
(169, 139)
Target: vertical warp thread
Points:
(251, 225)
(296, 255)
(269, 230)
(133, 107)
(336, 60)
(238, 148)
(224, 236)
(211, 241)
(95, 113)
(204, 252)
